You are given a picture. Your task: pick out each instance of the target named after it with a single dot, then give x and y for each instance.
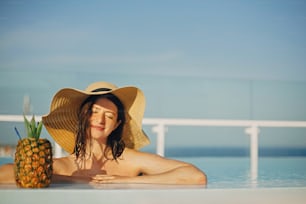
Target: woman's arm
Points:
(158, 170)
(7, 174)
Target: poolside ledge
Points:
(147, 194)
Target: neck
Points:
(95, 158)
(96, 150)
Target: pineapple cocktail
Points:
(33, 158)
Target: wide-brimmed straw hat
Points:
(62, 121)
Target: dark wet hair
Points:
(114, 140)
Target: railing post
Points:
(160, 141)
(253, 131)
(57, 150)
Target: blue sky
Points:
(238, 39)
(195, 59)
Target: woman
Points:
(101, 128)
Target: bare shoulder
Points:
(63, 165)
(138, 158)
(149, 160)
(135, 154)
(130, 152)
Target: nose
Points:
(100, 118)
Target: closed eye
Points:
(110, 115)
(95, 110)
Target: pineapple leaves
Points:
(27, 126)
(33, 130)
(39, 128)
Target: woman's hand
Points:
(103, 178)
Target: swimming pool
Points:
(280, 180)
(234, 172)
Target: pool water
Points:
(234, 172)
(4, 160)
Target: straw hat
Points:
(62, 121)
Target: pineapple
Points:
(33, 158)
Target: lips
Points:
(100, 128)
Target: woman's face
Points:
(103, 119)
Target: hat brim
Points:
(62, 121)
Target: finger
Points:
(101, 181)
(100, 175)
(103, 177)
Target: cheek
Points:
(92, 119)
(113, 126)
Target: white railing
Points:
(251, 129)
(160, 124)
